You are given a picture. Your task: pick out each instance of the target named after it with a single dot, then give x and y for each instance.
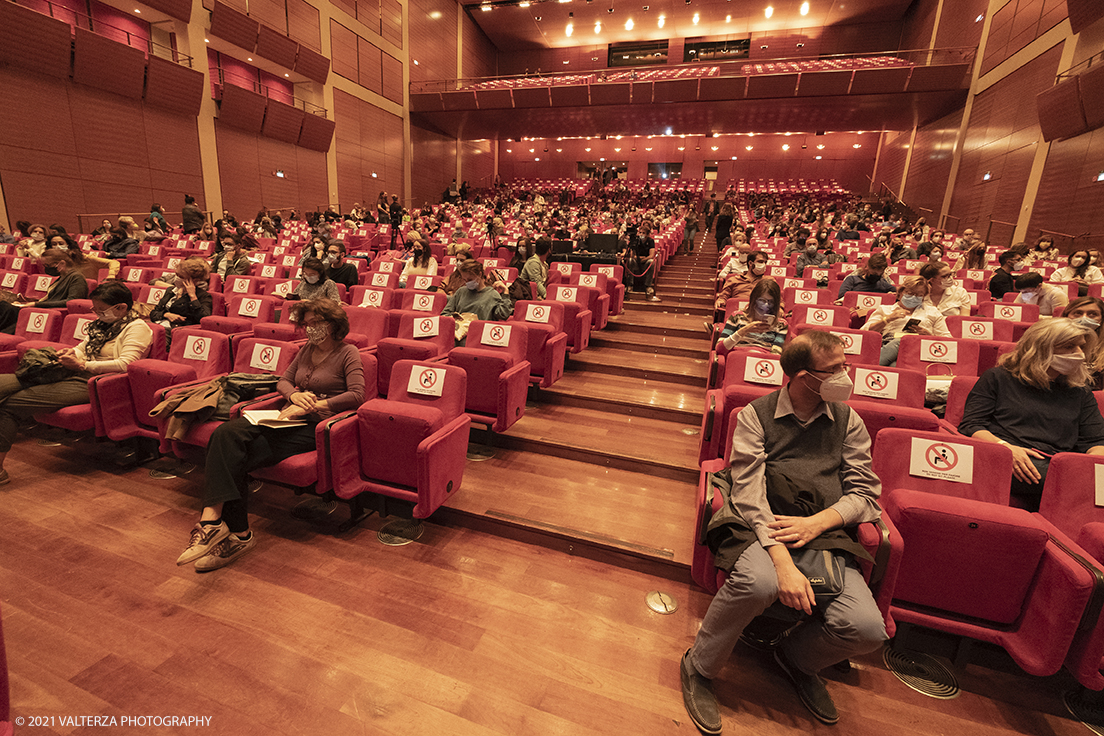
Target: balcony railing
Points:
(223, 77)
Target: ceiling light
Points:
(785, 146)
(436, 14)
(373, 175)
(206, 40)
(769, 11)
(537, 18)
(728, 19)
(559, 150)
(587, 150)
(601, 159)
(988, 175)
(136, 10)
(857, 145)
(733, 158)
(485, 7)
(523, 4)
(748, 147)
(682, 148)
(629, 24)
(805, 8)
(650, 148)
(250, 58)
(570, 29)
(696, 18)
(287, 75)
(415, 62)
(818, 158)
(662, 20)
(537, 158)
(820, 147)
(617, 150)
(714, 148)
(532, 150)
(509, 150)
(598, 27)
(980, 18)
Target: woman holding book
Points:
(325, 378)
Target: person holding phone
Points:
(188, 301)
(759, 325)
(910, 314)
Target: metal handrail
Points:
(731, 68)
(273, 93)
(95, 218)
(1080, 66)
(87, 22)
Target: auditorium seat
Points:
(577, 318)
(547, 341)
(419, 337)
(494, 358)
(404, 454)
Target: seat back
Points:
(614, 273)
(35, 323)
(371, 296)
(565, 270)
(369, 322)
(206, 351)
(938, 355)
(586, 296)
(422, 282)
(14, 281)
(151, 294)
(498, 337)
(243, 285)
(38, 285)
(383, 279)
(540, 313)
(980, 328)
(592, 280)
(993, 551)
(75, 328)
(258, 307)
(956, 399)
(751, 368)
(136, 274)
(864, 300)
(1073, 493)
(1010, 312)
(862, 347)
(427, 302)
(272, 271)
(260, 355)
(950, 465)
(820, 315)
(896, 386)
(793, 296)
(506, 274)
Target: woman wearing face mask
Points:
(421, 263)
(116, 338)
(1037, 401)
(313, 283)
(68, 284)
(88, 264)
(1088, 311)
(1079, 271)
(316, 248)
(188, 301)
(943, 293)
(760, 324)
(1044, 250)
(908, 315)
(477, 297)
(326, 377)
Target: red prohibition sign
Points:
(941, 457)
(496, 333)
(806, 296)
(266, 355)
(427, 379)
(423, 301)
(765, 368)
(868, 302)
(39, 320)
(199, 347)
(876, 381)
(1007, 311)
(937, 349)
(820, 315)
(977, 328)
(427, 325)
(847, 340)
(251, 305)
(538, 312)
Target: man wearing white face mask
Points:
(740, 285)
(1037, 402)
(1034, 291)
(801, 472)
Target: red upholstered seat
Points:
(577, 317)
(494, 359)
(599, 302)
(614, 286)
(547, 341)
(938, 355)
(419, 338)
(242, 313)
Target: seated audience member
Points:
(870, 278)
(313, 283)
(1001, 282)
(1094, 258)
(800, 440)
(206, 233)
(1044, 250)
(326, 377)
(315, 248)
(420, 263)
(760, 325)
(910, 314)
(943, 292)
(934, 240)
(535, 269)
(476, 297)
(1080, 271)
(966, 240)
(809, 257)
(1034, 291)
(739, 286)
(68, 284)
(1038, 402)
(638, 260)
(736, 262)
(234, 258)
(973, 258)
(116, 338)
(188, 301)
(103, 230)
(898, 250)
(1088, 311)
(34, 245)
(157, 218)
(89, 264)
(339, 270)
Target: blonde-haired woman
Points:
(909, 315)
(1038, 402)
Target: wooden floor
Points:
(314, 633)
(520, 611)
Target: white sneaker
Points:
(204, 538)
(227, 551)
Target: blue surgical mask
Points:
(764, 306)
(1092, 324)
(473, 285)
(911, 301)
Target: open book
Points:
(270, 418)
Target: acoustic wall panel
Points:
(606, 94)
(462, 100)
(271, 13)
(879, 81)
(173, 87)
(1083, 13)
(675, 90)
(179, 9)
(1060, 111)
(392, 79)
(304, 25)
(772, 85)
(282, 122)
(1092, 95)
(242, 108)
(431, 102)
(722, 88)
(532, 97)
(312, 64)
(108, 65)
(237, 28)
(642, 93)
(316, 133)
(343, 49)
(370, 66)
(815, 84)
(52, 41)
(575, 95)
(930, 78)
(276, 47)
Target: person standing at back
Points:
(395, 212)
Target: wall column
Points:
(193, 40)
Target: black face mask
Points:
(50, 270)
(873, 277)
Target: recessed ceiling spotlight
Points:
(485, 7)
(805, 8)
(598, 27)
(769, 11)
(570, 29)
(587, 150)
(857, 145)
(522, 4)
(785, 146)
(696, 18)
(748, 147)
(249, 58)
(662, 20)
(629, 24)
(728, 19)
(436, 14)
(819, 157)
(538, 19)
(820, 147)
(714, 148)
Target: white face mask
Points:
(1089, 322)
(837, 387)
(1066, 364)
(1075, 262)
(1028, 296)
(758, 268)
(911, 301)
(473, 285)
(948, 282)
(311, 279)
